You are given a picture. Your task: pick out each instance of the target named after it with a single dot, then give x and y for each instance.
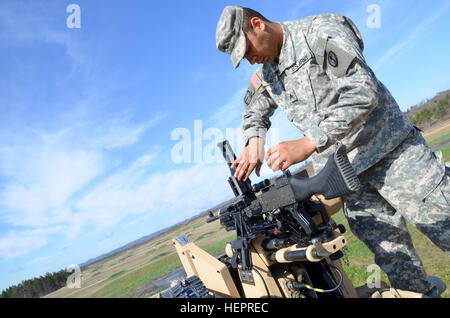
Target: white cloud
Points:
(42, 173)
(117, 133)
(46, 164)
(15, 244)
(47, 177)
(130, 192)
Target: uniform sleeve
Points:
(337, 47)
(259, 107)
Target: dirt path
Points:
(440, 145)
(436, 129)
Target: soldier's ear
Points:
(257, 24)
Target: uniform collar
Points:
(287, 53)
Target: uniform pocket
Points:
(440, 196)
(299, 100)
(443, 182)
(301, 85)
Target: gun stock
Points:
(334, 180)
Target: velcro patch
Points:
(256, 81)
(248, 97)
(339, 59)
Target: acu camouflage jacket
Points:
(322, 83)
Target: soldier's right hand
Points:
(250, 158)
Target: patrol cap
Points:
(230, 37)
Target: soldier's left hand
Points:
(288, 153)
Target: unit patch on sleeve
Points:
(333, 59)
(248, 96)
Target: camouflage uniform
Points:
(323, 84)
(409, 183)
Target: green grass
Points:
(126, 283)
(445, 150)
(205, 235)
(219, 247)
(198, 224)
(122, 283)
(358, 257)
(115, 275)
(356, 261)
(97, 268)
(445, 153)
(435, 139)
(439, 140)
(435, 261)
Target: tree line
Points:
(429, 115)
(37, 287)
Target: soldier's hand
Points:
(288, 153)
(250, 158)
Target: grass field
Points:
(130, 273)
(438, 134)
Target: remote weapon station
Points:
(287, 244)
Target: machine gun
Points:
(287, 244)
(281, 211)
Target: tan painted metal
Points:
(257, 245)
(330, 247)
(395, 293)
(213, 273)
(258, 289)
(331, 206)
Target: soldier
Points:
(315, 71)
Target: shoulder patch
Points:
(338, 59)
(256, 81)
(255, 88)
(333, 59)
(249, 96)
(330, 56)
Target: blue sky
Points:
(91, 118)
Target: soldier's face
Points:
(261, 46)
